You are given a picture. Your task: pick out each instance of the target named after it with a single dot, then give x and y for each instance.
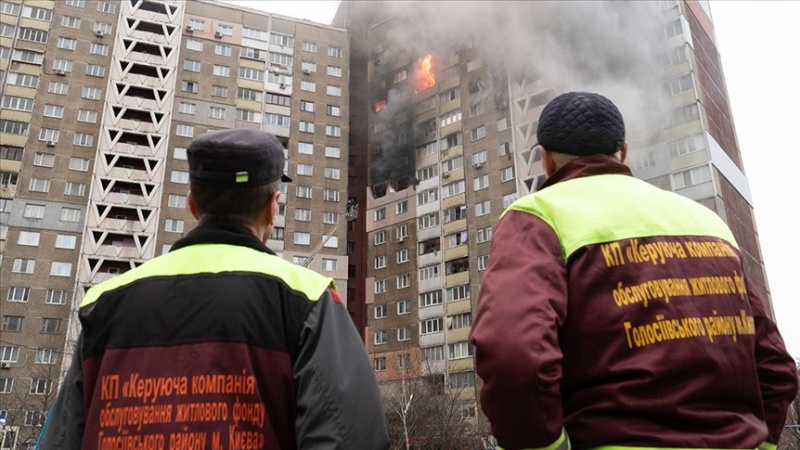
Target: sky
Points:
(756, 40)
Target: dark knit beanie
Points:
(581, 124)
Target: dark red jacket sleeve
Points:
(777, 373)
(521, 306)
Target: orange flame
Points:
(380, 105)
(425, 78)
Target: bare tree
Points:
(790, 438)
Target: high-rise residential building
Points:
(447, 129)
(99, 101)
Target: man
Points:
(614, 314)
(220, 343)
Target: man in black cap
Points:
(220, 343)
(613, 313)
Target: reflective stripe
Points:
(619, 207)
(620, 447)
(562, 443)
(218, 258)
(767, 446)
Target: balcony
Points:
(458, 199)
(458, 335)
(459, 306)
(456, 252)
(430, 339)
(456, 225)
(431, 311)
(457, 279)
(460, 365)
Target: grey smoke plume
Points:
(610, 47)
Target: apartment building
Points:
(99, 101)
(449, 148)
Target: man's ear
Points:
(271, 209)
(548, 163)
(623, 152)
(192, 205)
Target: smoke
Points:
(610, 47)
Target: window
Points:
(460, 350)
(305, 169)
(20, 103)
(19, 293)
(179, 176)
(402, 256)
(304, 192)
(502, 124)
(277, 99)
(306, 127)
(34, 419)
(222, 71)
(451, 141)
(403, 307)
(428, 326)
(28, 238)
(190, 86)
(60, 269)
(33, 211)
(218, 91)
(403, 281)
(691, 177)
(55, 297)
(7, 30)
(9, 8)
(103, 28)
(330, 195)
(83, 140)
(67, 43)
(684, 114)
(685, 146)
(430, 298)
(49, 135)
(380, 286)
(400, 76)
(380, 311)
(46, 355)
(173, 226)
(332, 174)
(481, 182)
(87, 116)
(191, 65)
(335, 91)
(457, 293)
(176, 201)
(248, 94)
(79, 164)
(380, 261)
(41, 386)
(26, 56)
(193, 44)
(90, 93)
(425, 197)
(673, 28)
(216, 112)
(334, 52)
(106, 7)
(75, 189)
(678, 55)
(62, 65)
(333, 152)
(401, 207)
(428, 221)
(380, 338)
(278, 120)
(310, 47)
(23, 79)
(330, 242)
(248, 115)
(403, 334)
(680, 84)
(44, 159)
(66, 241)
(449, 95)
(433, 353)
(334, 131)
(280, 59)
(462, 379)
(329, 265)
(484, 234)
(478, 133)
(283, 40)
(223, 50)
(13, 127)
(454, 188)
(330, 218)
(380, 363)
(308, 86)
(12, 323)
(184, 130)
(457, 321)
(306, 106)
(187, 108)
(402, 232)
(70, 22)
(70, 215)
(94, 70)
(450, 118)
(9, 353)
(302, 215)
(509, 199)
(380, 214)
(334, 111)
(197, 24)
(507, 174)
(39, 185)
(429, 272)
(225, 30)
(251, 74)
(277, 233)
(334, 71)
(380, 237)
(483, 260)
(301, 238)
(98, 49)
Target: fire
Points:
(425, 78)
(380, 105)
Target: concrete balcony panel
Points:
(451, 105)
(121, 173)
(428, 259)
(276, 88)
(454, 226)
(683, 130)
(453, 175)
(125, 199)
(427, 312)
(453, 200)
(456, 252)
(461, 364)
(452, 151)
(429, 233)
(276, 130)
(427, 340)
(434, 367)
(458, 307)
(139, 103)
(457, 279)
(458, 335)
(8, 191)
(428, 208)
(117, 252)
(450, 129)
(429, 285)
(689, 160)
(449, 84)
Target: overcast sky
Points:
(758, 42)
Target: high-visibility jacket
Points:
(217, 344)
(619, 314)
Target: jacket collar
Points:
(585, 167)
(221, 233)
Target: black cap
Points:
(236, 158)
(581, 124)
